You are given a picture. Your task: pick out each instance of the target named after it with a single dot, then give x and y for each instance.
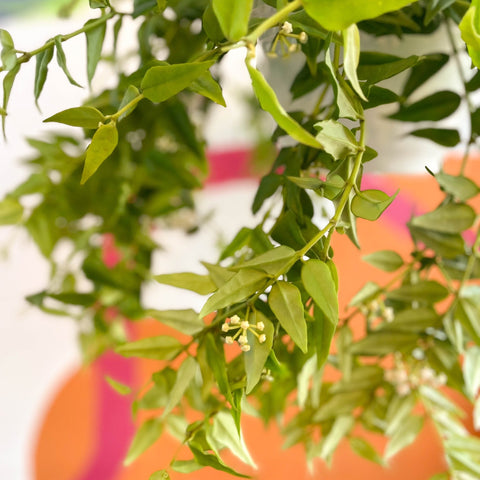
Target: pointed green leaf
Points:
(386, 260)
(185, 375)
(185, 321)
(462, 188)
(256, 357)
(243, 284)
(423, 291)
(41, 70)
(471, 371)
(216, 361)
(131, 93)
(145, 437)
(62, 60)
(310, 183)
(399, 409)
(271, 262)
(370, 204)
(269, 102)
(286, 303)
(337, 139)
(224, 434)
(219, 275)
(7, 88)
(208, 87)
(351, 46)
(443, 136)
(340, 428)
(186, 466)
(95, 38)
(101, 147)
(367, 293)
(99, 3)
(413, 320)
(11, 211)
(164, 81)
(420, 73)
(470, 30)
(158, 348)
(449, 218)
(233, 17)
(365, 450)
(435, 107)
(117, 386)
(339, 14)
(375, 66)
(319, 283)
(404, 436)
(209, 460)
(303, 380)
(323, 332)
(8, 54)
(383, 343)
(201, 284)
(86, 117)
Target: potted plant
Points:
(270, 329)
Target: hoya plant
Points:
(270, 327)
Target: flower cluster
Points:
(404, 383)
(241, 328)
(282, 38)
(377, 312)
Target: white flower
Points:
(244, 325)
(287, 28)
(245, 348)
(260, 326)
(229, 340)
(427, 375)
(225, 327)
(262, 338)
(403, 389)
(235, 320)
(303, 37)
(242, 340)
(389, 314)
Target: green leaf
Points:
(420, 73)
(447, 245)
(86, 117)
(165, 81)
(9, 55)
(423, 291)
(460, 187)
(131, 93)
(365, 450)
(413, 320)
(224, 434)
(286, 304)
(7, 89)
(320, 285)
(435, 107)
(404, 436)
(340, 404)
(370, 204)
(448, 218)
(219, 275)
(233, 17)
(201, 284)
(323, 331)
(158, 348)
(206, 85)
(185, 321)
(118, 387)
(339, 14)
(367, 293)
(185, 466)
(145, 437)
(399, 409)
(383, 343)
(95, 38)
(62, 60)
(216, 361)
(470, 31)
(386, 260)
(443, 136)
(340, 428)
(375, 66)
(432, 10)
(437, 399)
(243, 284)
(11, 211)
(378, 96)
(160, 475)
(270, 262)
(256, 357)
(209, 460)
(471, 371)
(142, 6)
(337, 139)
(41, 70)
(269, 102)
(351, 57)
(185, 375)
(101, 147)
(310, 183)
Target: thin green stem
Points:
(89, 26)
(127, 107)
(316, 109)
(274, 20)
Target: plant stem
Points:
(274, 20)
(127, 107)
(90, 26)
